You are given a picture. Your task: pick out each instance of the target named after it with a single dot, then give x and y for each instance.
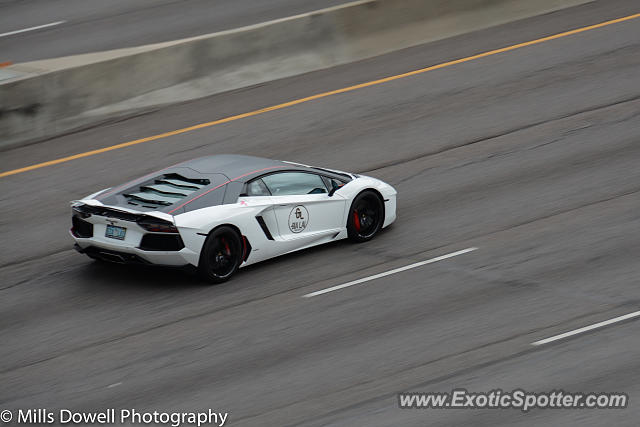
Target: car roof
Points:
(238, 167)
(211, 180)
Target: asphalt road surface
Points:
(529, 155)
(39, 29)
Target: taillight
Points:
(157, 225)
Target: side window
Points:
(257, 188)
(334, 183)
(290, 183)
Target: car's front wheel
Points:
(366, 216)
(221, 255)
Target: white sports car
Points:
(220, 213)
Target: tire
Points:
(221, 255)
(366, 216)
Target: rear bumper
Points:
(131, 255)
(111, 256)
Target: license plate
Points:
(115, 232)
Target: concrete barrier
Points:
(43, 98)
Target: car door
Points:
(302, 206)
(262, 225)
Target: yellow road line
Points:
(316, 96)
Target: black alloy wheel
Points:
(366, 216)
(221, 255)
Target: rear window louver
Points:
(165, 191)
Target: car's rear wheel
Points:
(221, 255)
(366, 216)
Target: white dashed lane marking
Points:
(588, 328)
(388, 273)
(39, 27)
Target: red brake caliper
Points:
(226, 247)
(356, 220)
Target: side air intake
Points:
(264, 227)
